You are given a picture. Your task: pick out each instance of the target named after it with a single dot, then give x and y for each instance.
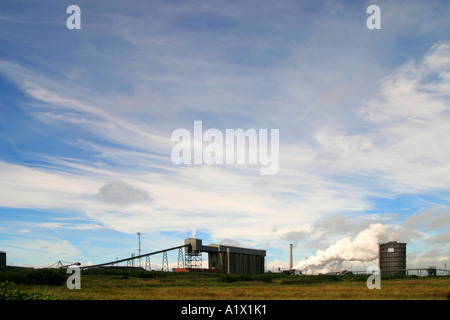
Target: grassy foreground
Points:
(100, 284)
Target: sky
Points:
(86, 118)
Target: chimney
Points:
(2, 258)
(290, 260)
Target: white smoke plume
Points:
(363, 248)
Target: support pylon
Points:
(165, 262)
(148, 265)
(180, 263)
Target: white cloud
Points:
(430, 219)
(122, 194)
(40, 250)
(224, 199)
(71, 226)
(404, 144)
(333, 160)
(28, 187)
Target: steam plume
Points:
(363, 248)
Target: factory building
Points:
(2, 258)
(392, 258)
(227, 258)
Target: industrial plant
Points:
(239, 260)
(221, 258)
(227, 258)
(392, 258)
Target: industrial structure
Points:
(221, 258)
(226, 258)
(2, 258)
(291, 258)
(392, 258)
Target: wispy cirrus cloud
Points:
(240, 200)
(405, 126)
(362, 117)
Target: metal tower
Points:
(180, 263)
(165, 262)
(193, 259)
(139, 247)
(148, 265)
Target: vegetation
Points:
(9, 291)
(115, 284)
(52, 277)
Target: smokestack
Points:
(290, 260)
(228, 260)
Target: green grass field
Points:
(98, 284)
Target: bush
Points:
(8, 291)
(125, 272)
(229, 278)
(53, 277)
(312, 279)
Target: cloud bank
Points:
(363, 119)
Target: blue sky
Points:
(86, 118)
